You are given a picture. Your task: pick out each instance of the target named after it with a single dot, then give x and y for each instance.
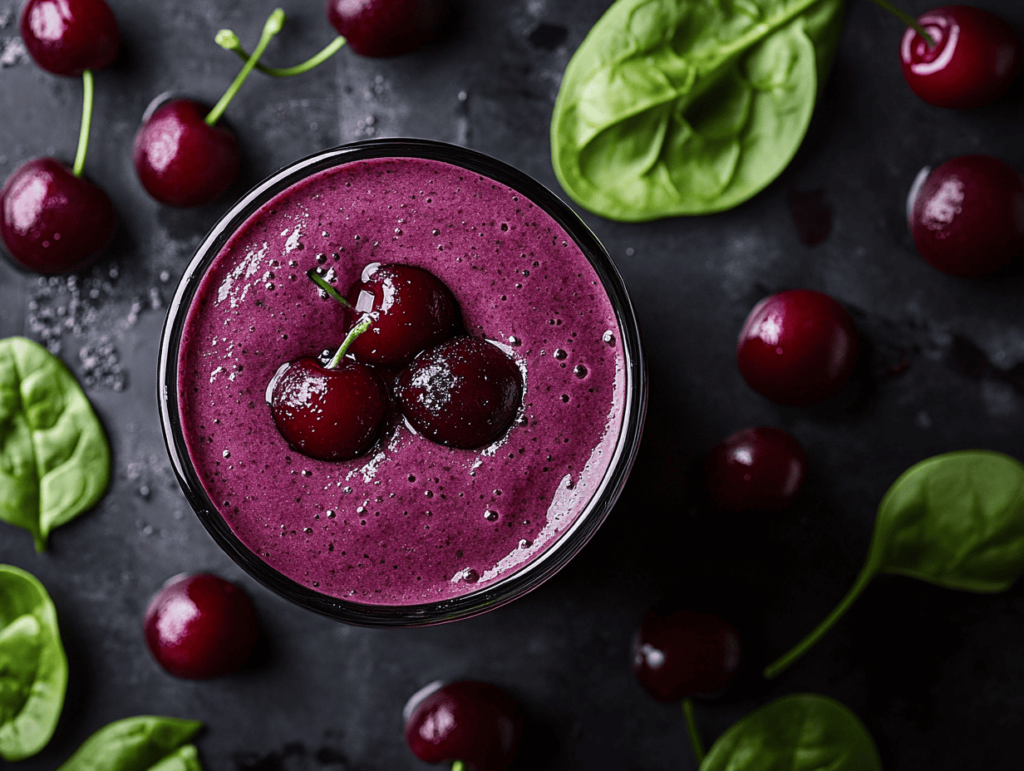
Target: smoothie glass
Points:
(617, 461)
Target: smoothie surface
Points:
(413, 521)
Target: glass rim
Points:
(518, 582)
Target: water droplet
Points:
(559, 354)
(227, 453)
(579, 371)
(491, 516)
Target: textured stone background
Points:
(935, 674)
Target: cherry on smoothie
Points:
(200, 626)
(797, 347)
(682, 653)
(757, 469)
(474, 723)
(180, 159)
(974, 60)
(52, 221)
(386, 27)
(463, 393)
(967, 215)
(411, 310)
(330, 412)
(67, 37)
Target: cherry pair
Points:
(454, 389)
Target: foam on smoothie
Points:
(413, 521)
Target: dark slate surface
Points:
(935, 674)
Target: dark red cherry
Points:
(328, 414)
(411, 309)
(386, 27)
(758, 469)
(67, 37)
(200, 626)
(797, 347)
(464, 392)
(476, 723)
(182, 161)
(975, 58)
(967, 216)
(681, 654)
(52, 221)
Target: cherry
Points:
(52, 221)
(200, 626)
(463, 393)
(967, 216)
(181, 156)
(682, 653)
(475, 723)
(386, 27)
(758, 469)
(331, 412)
(328, 414)
(67, 37)
(797, 347)
(974, 60)
(181, 160)
(411, 309)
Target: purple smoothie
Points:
(412, 522)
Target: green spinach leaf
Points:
(955, 520)
(800, 732)
(54, 456)
(689, 106)
(33, 667)
(145, 743)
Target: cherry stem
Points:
(692, 732)
(83, 133)
(271, 28)
(321, 282)
(907, 19)
(357, 330)
(778, 666)
(229, 41)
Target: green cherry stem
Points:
(271, 28)
(321, 282)
(907, 19)
(83, 133)
(778, 666)
(357, 330)
(229, 41)
(692, 732)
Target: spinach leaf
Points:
(955, 520)
(689, 106)
(54, 457)
(33, 667)
(146, 743)
(800, 732)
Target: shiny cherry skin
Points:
(386, 27)
(182, 161)
(476, 723)
(200, 626)
(681, 653)
(797, 347)
(411, 309)
(52, 221)
(758, 469)
(967, 216)
(326, 413)
(975, 59)
(463, 393)
(67, 37)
